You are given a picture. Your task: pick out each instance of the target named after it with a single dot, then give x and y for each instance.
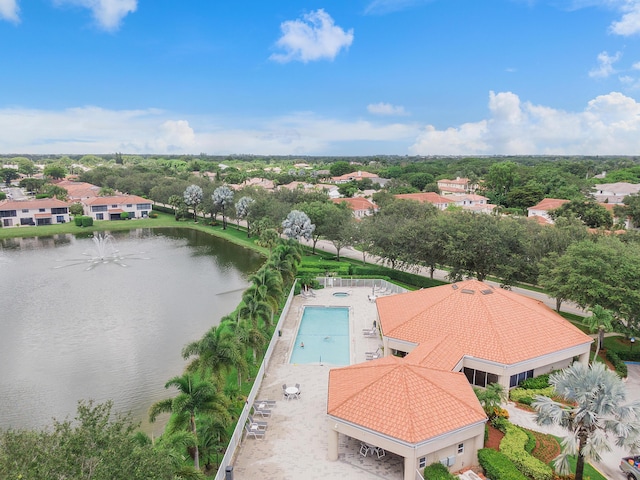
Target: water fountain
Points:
(105, 251)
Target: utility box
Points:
(228, 473)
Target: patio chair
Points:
(297, 394)
(253, 432)
(284, 391)
(263, 412)
(261, 425)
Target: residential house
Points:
(46, 211)
(458, 186)
(111, 208)
(544, 206)
(472, 202)
(357, 176)
(614, 192)
(418, 400)
(255, 182)
(440, 202)
(360, 206)
(78, 191)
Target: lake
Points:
(73, 327)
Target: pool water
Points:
(324, 332)
(341, 294)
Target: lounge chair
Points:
(253, 432)
(373, 355)
(261, 425)
(268, 403)
(263, 412)
(370, 332)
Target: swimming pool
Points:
(341, 294)
(324, 331)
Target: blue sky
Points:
(334, 77)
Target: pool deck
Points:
(295, 445)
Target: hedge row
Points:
(437, 471)
(523, 395)
(83, 221)
(535, 383)
(618, 364)
(513, 447)
(398, 276)
(497, 466)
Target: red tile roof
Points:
(549, 204)
(425, 197)
(33, 204)
(491, 323)
(406, 401)
(117, 200)
(355, 203)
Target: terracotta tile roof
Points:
(403, 400)
(79, 189)
(359, 175)
(33, 204)
(425, 197)
(549, 204)
(492, 323)
(355, 203)
(539, 219)
(117, 200)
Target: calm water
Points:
(324, 331)
(107, 332)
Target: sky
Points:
(330, 77)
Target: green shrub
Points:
(541, 381)
(78, 221)
(531, 442)
(517, 394)
(619, 365)
(500, 423)
(87, 221)
(397, 275)
(437, 471)
(513, 446)
(153, 215)
(497, 466)
(124, 215)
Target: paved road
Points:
(442, 275)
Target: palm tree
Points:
(285, 259)
(601, 321)
(490, 398)
(218, 351)
(250, 336)
(195, 397)
(594, 414)
(254, 309)
(267, 286)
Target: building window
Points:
(99, 216)
(460, 448)
(8, 213)
(129, 205)
(99, 208)
(60, 219)
(480, 378)
(25, 210)
(422, 462)
(515, 380)
(143, 206)
(41, 210)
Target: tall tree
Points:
(595, 414)
(218, 351)
(98, 444)
(601, 321)
(297, 225)
(223, 198)
(242, 211)
(195, 397)
(193, 198)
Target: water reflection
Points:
(109, 332)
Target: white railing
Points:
(378, 286)
(236, 438)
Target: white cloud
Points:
(629, 24)
(381, 7)
(605, 65)
(386, 109)
(314, 37)
(107, 13)
(609, 125)
(9, 10)
(97, 130)
(636, 66)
